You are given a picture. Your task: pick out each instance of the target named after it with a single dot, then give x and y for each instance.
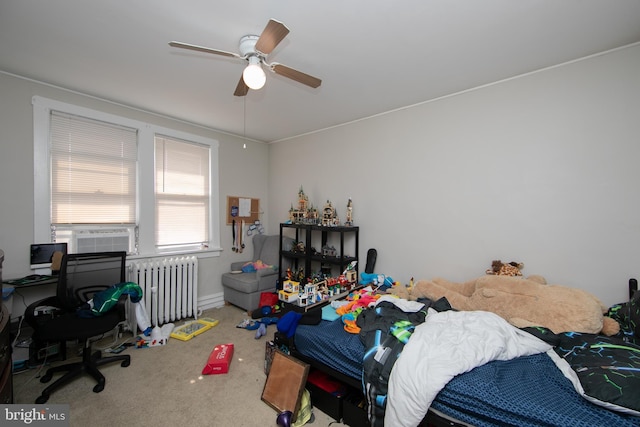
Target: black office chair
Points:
(81, 276)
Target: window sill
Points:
(205, 253)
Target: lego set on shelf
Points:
(306, 213)
(318, 289)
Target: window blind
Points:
(93, 171)
(182, 192)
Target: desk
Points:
(29, 291)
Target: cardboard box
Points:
(219, 360)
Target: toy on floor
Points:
(193, 329)
(219, 360)
(260, 326)
(143, 319)
(284, 419)
(151, 337)
(303, 416)
(159, 336)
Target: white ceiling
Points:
(373, 56)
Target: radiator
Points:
(169, 286)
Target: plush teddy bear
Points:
(523, 302)
(401, 291)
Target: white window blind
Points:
(182, 192)
(93, 171)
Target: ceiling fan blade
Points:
(203, 49)
(271, 36)
(296, 75)
(242, 89)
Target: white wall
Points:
(243, 172)
(540, 169)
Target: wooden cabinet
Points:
(6, 378)
(326, 249)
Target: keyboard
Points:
(32, 279)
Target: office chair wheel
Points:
(46, 378)
(98, 388)
(42, 399)
(125, 363)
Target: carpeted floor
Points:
(163, 386)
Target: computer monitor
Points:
(42, 254)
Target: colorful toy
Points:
(375, 279)
(219, 360)
(259, 326)
(151, 337)
(290, 286)
(193, 329)
(498, 268)
(349, 220)
(305, 213)
(251, 267)
(329, 216)
(159, 336)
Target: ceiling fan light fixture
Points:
(255, 50)
(254, 75)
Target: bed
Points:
(527, 389)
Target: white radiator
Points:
(169, 286)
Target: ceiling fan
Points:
(255, 50)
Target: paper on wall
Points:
(245, 207)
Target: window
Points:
(93, 184)
(105, 182)
(182, 193)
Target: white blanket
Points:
(445, 345)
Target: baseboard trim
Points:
(211, 301)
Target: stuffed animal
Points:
(523, 302)
(510, 269)
(401, 291)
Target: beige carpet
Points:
(163, 386)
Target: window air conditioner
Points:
(102, 240)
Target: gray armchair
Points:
(244, 289)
